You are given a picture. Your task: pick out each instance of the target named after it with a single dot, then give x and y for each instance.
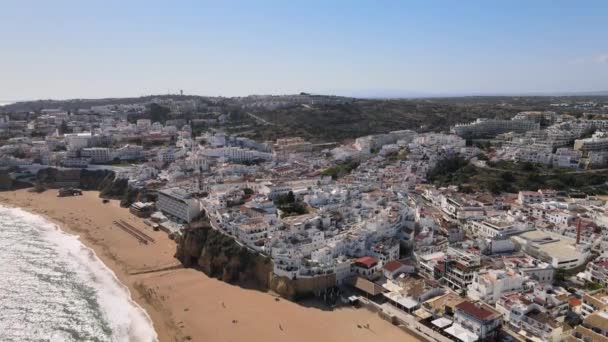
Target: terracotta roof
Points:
(392, 266)
(574, 301)
(366, 261)
(477, 310)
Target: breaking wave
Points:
(53, 288)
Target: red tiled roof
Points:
(574, 301)
(367, 261)
(476, 310)
(392, 266)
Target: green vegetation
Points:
(398, 155)
(366, 116)
(593, 286)
(325, 123)
(92, 180)
(513, 177)
(289, 206)
(158, 113)
(341, 169)
(6, 182)
(131, 195)
(119, 189)
(560, 275)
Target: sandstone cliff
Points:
(219, 256)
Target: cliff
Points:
(219, 256)
(103, 181)
(6, 182)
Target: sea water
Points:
(53, 288)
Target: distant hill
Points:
(371, 116)
(341, 120)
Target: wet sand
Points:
(185, 304)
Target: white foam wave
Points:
(127, 320)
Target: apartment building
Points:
(457, 273)
(593, 329)
(539, 324)
(178, 204)
(598, 142)
(594, 301)
(490, 285)
(458, 209)
(76, 141)
(530, 197)
(597, 272)
(478, 318)
(489, 128)
(98, 154)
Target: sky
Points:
(90, 49)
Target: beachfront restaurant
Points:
(366, 288)
(407, 304)
(461, 334)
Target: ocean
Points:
(54, 288)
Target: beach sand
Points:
(185, 304)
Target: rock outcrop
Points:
(219, 256)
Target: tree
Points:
(159, 113)
(290, 197)
(592, 286)
(129, 197)
(507, 176)
(527, 166)
(63, 128)
(560, 275)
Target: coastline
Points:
(90, 220)
(185, 304)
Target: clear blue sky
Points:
(67, 49)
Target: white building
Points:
(490, 285)
(478, 318)
(76, 141)
(488, 128)
(98, 154)
(179, 204)
(598, 142)
(559, 251)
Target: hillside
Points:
(321, 122)
(363, 117)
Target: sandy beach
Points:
(185, 304)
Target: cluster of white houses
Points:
(471, 266)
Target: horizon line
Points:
(413, 95)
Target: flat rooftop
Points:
(178, 193)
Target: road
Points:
(259, 119)
(574, 172)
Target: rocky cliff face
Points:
(219, 256)
(6, 183)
